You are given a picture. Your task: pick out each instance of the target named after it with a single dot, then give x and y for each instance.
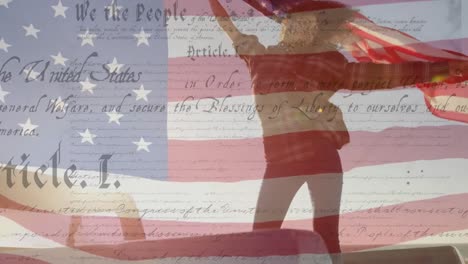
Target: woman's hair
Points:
(329, 23)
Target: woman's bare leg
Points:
(54, 199)
(273, 202)
(325, 191)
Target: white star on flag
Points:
(59, 59)
(142, 145)
(142, 38)
(28, 126)
(87, 136)
(31, 74)
(5, 3)
(87, 38)
(59, 105)
(3, 45)
(31, 30)
(59, 9)
(87, 86)
(3, 94)
(142, 93)
(114, 66)
(114, 116)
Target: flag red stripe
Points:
(235, 160)
(364, 229)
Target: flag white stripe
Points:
(370, 116)
(429, 179)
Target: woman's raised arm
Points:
(244, 44)
(224, 21)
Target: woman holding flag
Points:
(301, 146)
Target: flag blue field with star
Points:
(86, 121)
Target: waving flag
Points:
(381, 44)
(179, 174)
(391, 46)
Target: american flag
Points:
(184, 182)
